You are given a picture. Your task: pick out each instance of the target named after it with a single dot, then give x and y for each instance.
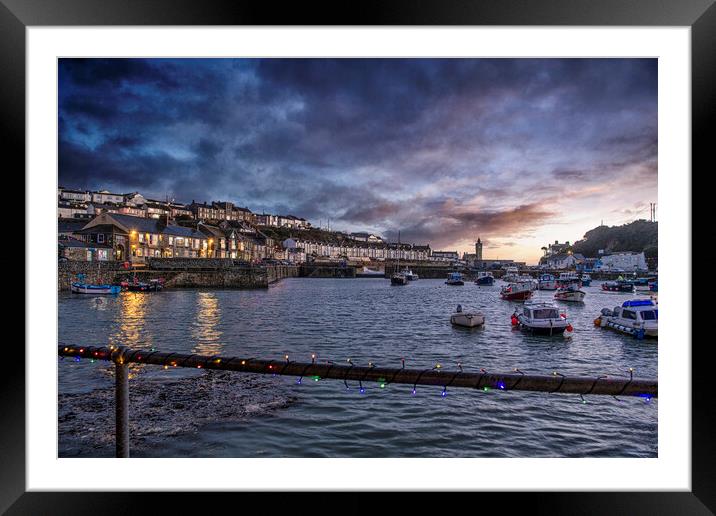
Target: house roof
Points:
(143, 225)
(70, 225)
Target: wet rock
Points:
(168, 407)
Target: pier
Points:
(481, 381)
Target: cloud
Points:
(445, 149)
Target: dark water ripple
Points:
(365, 320)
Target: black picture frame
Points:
(17, 15)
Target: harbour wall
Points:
(311, 270)
(185, 275)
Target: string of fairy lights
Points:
(122, 355)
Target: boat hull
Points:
(617, 288)
(143, 287)
(486, 282)
(398, 280)
(614, 323)
(543, 327)
(467, 320)
(574, 297)
(454, 282)
(516, 296)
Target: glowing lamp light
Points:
(501, 385)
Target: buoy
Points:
(514, 321)
(569, 327)
(598, 321)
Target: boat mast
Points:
(398, 267)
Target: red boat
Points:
(516, 291)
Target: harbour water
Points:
(187, 413)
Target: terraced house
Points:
(136, 238)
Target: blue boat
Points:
(80, 287)
(586, 280)
(454, 278)
(485, 278)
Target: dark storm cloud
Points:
(439, 147)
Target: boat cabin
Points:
(638, 310)
(541, 311)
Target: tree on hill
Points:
(640, 235)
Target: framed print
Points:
(416, 249)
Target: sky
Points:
(518, 152)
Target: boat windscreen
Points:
(648, 315)
(545, 313)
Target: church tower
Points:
(478, 250)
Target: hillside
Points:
(640, 235)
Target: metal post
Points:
(122, 407)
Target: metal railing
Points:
(435, 376)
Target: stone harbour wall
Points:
(188, 274)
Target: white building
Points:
(65, 194)
(623, 262)
(104, 196)
(559, 261)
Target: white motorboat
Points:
(636, 317)
(568, 278)
(367, 272)
(547, 282)
(511, 274)
(409, 274)
(542, 318)
(570, 293)
(467, 319)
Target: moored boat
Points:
(409, 274)
(637, 317)
(454, 278)
(541, 318)
(585, 279)
(518, 291)
(547, 282)
(511, 274)
(568, 278)
(570, 293)
(154, 285)
(485, 278)
(85, 288)
(367, 272)
(618, 286)
(467, 319)
(80, 287)
(398, 278)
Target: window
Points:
(628, 314)
(141, 237)
(648, 315)
(100, 238)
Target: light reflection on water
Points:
(367, 320)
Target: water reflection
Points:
(132, 321)
(205, 329)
